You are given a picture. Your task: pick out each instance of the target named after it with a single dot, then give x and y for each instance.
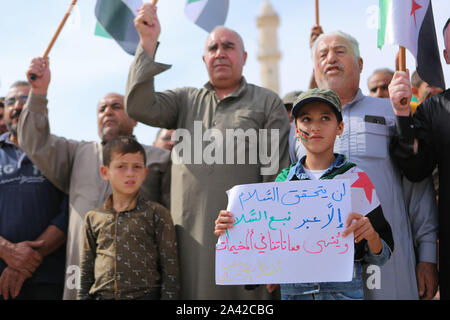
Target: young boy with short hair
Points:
(129, 248)
(318, 120)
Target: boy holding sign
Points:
(318, 121)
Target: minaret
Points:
(268, 54)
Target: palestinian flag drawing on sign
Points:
(207, 14)
(115, 20)
(410, 23)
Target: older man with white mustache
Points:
(409, 208)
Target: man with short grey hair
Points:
(409, 208)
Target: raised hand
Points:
(400, 89)
(148, 27)
(316, 31)
(40, 68)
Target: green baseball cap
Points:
(327, 96)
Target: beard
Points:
(12, 128)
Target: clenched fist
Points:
(40, 67)
(400, 93)
(148, 27)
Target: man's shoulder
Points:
(263, 91)
(189, 92)
(436, 108)
(84, 150)
(156, 155)
(263, 99)
(149, 148)
(441, 100)
(76, 144)
(86, 144)
(376, 106)
(384, 103)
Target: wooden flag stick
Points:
(402, 59)
(317, 12)
(61, 25)
(402, 67)
(55, 36)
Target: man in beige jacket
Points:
(206, 160)
(73, 166)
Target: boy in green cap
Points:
(318, 120)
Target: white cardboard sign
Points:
(287, 232)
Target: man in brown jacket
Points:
(206, 160)
(73, 166)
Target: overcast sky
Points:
(86, 67)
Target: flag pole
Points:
(61, 25)
(317, 12)
(55, 36)
(401, 59)
(402, 67)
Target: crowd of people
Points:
(117, 219)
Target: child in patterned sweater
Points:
(129, 248)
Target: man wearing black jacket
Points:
(422, 143)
